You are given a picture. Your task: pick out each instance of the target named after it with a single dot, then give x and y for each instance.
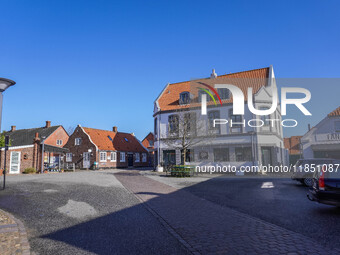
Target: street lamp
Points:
(4, 84)
(42, 153)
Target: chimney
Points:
(48, 124)
(308, 127)
(213, 74)
(115, 129)
(36, 138)
(13, 128)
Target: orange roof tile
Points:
(335, 113)
(169, 99)
(111, 141)
(146, 140)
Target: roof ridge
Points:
(220, 76)
(33, 128)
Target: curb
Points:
(20, 228)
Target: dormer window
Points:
(200, 93)
(224, 93)
(184, 98)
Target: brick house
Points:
(96, 148)
(25, 149)
(293, 145)
(148, 142)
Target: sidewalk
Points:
(207, 228)
(13, 235)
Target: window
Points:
(173, 124)
(243, 154)
(200, 93)
(77, 141)
(113, 156)
(337, 126)
(126, 140)
(234, 120)
(150, 143)
(103, 157)
(155, 127)
(59, 142)
(122, 156)
(184, 98)
(221, 155)
(190, 123)
(137, 157)
(144, 157)
(265, 117)
(213, 115)
(68, 157)
(169, 157)
(224, 93)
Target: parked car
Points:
(326, 186)
(304, 169)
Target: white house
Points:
(323, 140)
(245, 142)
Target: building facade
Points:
(148, 142)
(238, 144)
(91, 148)
(293, 145)
(26, 148)
(323, 140)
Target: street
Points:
(84, 213)
(93, 213)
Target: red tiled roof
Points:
(146, 140)
(335, 113)
(119, 141)
(127, 142)
(257, 78)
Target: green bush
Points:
(30, 170)
(182, 171)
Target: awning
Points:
(326, 147)
(55, 149)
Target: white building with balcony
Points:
(245, 142)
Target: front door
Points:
(14, 167)
(130, 159)
(86, 160)
(266, 156)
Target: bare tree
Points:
(185, 131)
(70, 130)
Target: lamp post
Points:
(42, 153)
(4, 84)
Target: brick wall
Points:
(78, 150)
(59, 134)
(27, 158)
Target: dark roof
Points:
(55, 149)
(25, 136)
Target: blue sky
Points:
(103, 63)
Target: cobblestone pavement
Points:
(207, 228)
(13, 235)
